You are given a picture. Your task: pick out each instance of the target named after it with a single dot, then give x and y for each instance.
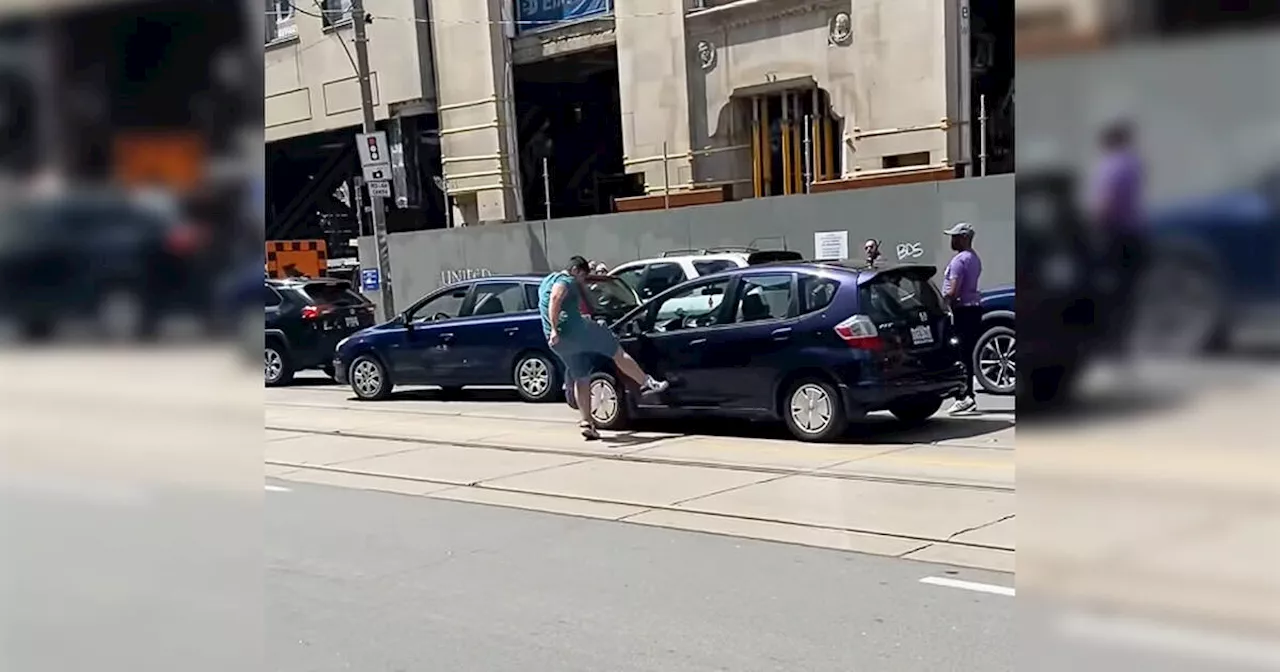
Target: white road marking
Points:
(969, 585)
(1219, 647)
(277, 488)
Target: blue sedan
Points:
(994, 362)
(484, 332)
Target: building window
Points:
(335, 12)
(280, 20)
(905, 160)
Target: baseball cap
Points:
(960, 229)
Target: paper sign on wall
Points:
(831, 245)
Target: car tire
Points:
(813, 410)
(123, 316)
(1049, 386)
(610, 403)
(277, 364)
(535, 377)
(994, 363)
(916, 411)
(369, 379)
(36, 330)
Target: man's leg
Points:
(582, 392)
(967, 322)
(631, 369)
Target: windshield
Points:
(897, 297)
(610, 295)
(333, 294)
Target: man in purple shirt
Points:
(1116, 209)
(960, 289)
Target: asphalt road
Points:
(359, 580)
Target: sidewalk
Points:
(948, 501)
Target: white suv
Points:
(650, 277)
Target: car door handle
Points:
(512, 330)
(446, 337)
(781, 334)
(698, 341)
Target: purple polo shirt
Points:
(963, 273)
(1117, 191)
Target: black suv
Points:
(305, 320)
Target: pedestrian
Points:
(872, 250)
(582, 344)
(1116, 209)
(960, 289)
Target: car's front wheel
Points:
(813, 410)
(609, 409)
(535, 377)
(994, 361)
(916, 411)
(369, 379)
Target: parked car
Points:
(117, 262)
(813, 345)
(306, 318)
(994, 362)
(1216, 262)
(650, 277)
(479, 332)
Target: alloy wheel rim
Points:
(534, 377)
(367, 378)
(273, 365)
(604, 401)
(811, 408)
(996, 362)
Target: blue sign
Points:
(369, 279)
(534, 14)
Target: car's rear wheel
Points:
(535, 377)
(369, 379)
(994, 360)
(609, 409)
(813, 410)
(277, 365)
(916, 411)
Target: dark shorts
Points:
(585, 350)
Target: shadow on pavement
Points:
(873, 429)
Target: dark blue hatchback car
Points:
(484, 332)
(814, 345)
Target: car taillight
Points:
(313, 312)
(860, 332)
(184, 240)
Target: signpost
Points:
(369, 280)
(375, 159)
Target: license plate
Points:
(353, 321)
(921, 335)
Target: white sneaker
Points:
(653, 386)
(964, 406)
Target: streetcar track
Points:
(644, 459)
(673, 508)
(511, 418)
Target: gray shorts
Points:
(585, 350)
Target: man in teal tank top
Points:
(581, 344)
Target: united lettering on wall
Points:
(534, 14)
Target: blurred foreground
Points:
(1149, 268)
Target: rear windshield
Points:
(610, 294)
(713, 266)
(895, 297)
(333, 294)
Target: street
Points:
(360, 580)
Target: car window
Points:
(660, 278)
(631, 276)
(531, 296)
(497, 298)
(816, 292)
(897, 297)
(271, 297)
(333, 294)
(610, 295)
(764, 297)
(713, 266)
(444, 306)
(693, 307)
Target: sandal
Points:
(589, 431)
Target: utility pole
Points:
(377, 206)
